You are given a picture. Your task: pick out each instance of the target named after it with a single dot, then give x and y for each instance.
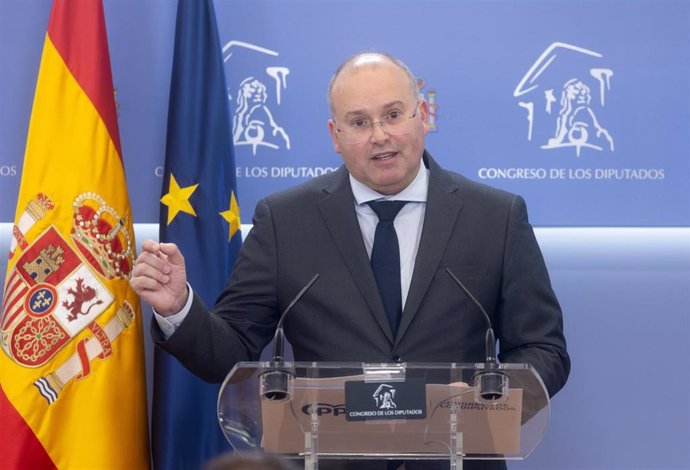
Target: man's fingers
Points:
(152, 270)
(150, 246)
(143, 283)
(172, 252)
(156, 276)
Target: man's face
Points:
(384, 162)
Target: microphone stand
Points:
(276, 382)
(491, 383)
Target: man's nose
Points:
(378, 132)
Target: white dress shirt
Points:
(408, 223)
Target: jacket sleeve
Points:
(209, 342)
(530, 321)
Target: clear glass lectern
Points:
(451, 411)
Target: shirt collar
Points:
(414, 192)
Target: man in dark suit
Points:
(328, 226)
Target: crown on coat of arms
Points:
(102, 236)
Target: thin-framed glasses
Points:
(394, 123)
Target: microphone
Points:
(279, 337)
(276, 380)
(492, 384)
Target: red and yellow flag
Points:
(72, 380)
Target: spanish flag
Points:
(72, 380)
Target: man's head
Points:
(378, 121)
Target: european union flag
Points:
(200, 214)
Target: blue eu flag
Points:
(199, 213)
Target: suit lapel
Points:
(442, 209)
(338, 212)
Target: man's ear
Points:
(334, 135)
(424, 114)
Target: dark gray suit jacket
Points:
(480, 233)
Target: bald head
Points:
(369, 90)
(369, 60)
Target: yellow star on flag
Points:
(177, 199)
(232, 215)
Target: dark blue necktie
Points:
(385, 259)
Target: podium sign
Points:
(382, 411)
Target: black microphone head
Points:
(491, 384)
(276, 384)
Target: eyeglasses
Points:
(394, 123)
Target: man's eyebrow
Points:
(361, 112)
